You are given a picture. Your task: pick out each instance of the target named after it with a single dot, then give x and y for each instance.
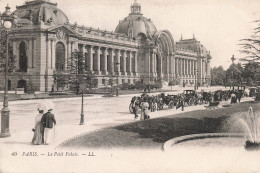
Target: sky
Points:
(217, 24)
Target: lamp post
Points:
(83, 88)
(117, 87)
(6, 20)
(195, 85)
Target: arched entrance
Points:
(22, 57)
(60, 57)
(21, 84)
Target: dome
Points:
(41, 10)
(136, 23)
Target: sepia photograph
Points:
(130, 86)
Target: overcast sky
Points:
(217, 24)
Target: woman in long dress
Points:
(38, 130)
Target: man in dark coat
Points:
(48, 120)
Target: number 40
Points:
(14, 154)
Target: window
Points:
(22, 57)
(60, 57)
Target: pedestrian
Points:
(136, 107)
(48, 120)
(233, 98)
(38, 129)
(146, 112)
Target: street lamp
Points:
(6, 20)
(117, 87)
(195, 85)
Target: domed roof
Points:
(136, 23)
(41, 10)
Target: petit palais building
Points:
(43, 40)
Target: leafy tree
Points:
(30, 87)
(252, 71)
(234, 74)
(218, 76)
(61, 79)
(76, 74)
(249, 81)
(11, 57)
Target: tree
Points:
(234, 74)
(249, 81)
(75, 74)
(252, 71)
(251, 46)
(218, 76)
(61, 79)
(11, 57)
(30, 88)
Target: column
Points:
(180, 60)
(177, 66)
(52, 47)
(33, 49)
(135, 56)
(193, 67)
(84, 56)
(68, 52)
(16, 52)
(130, 63)
(168, 65)
(208, 68)
(173, 64)
(29, 54)
(190, 67)
(124, 62)
(54, 54)
(105, 60)
(155, 63)
(98, 59)
(118, 61)
(186, 67)
(152, 63)
(47, 64)
(90, 55)
(111, 59)
(48, 53)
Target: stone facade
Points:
(43, 41)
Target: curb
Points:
(170, 143)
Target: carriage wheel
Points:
(190, 101)
(196, 102)
(131, 108)
(171, 105)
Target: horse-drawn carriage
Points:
(169, 100)
(189, 97)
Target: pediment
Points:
(62, 31)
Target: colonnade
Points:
(185, 67)
(105, 60)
